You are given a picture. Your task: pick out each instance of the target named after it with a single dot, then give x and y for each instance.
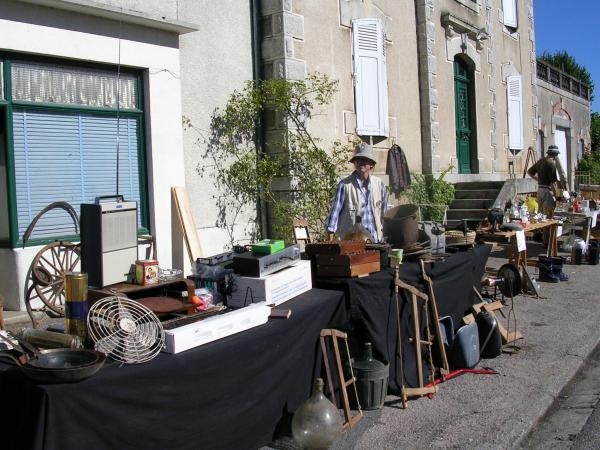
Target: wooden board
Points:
(188, 225)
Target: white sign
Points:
(521, 245)
(559, 231)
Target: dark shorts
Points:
(546, 201)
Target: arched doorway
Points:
(464, 117)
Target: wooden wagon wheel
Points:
(48, 272)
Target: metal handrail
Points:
(435, 205)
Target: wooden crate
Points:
(335, 248)
(348, 265)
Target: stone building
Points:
(563, 117)
(452, 82)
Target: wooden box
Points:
(335, 248)
(348, 265)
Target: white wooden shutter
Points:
(515, 112)
(509, 11)
(370, 78)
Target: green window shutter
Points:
(71, 157)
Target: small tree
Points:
(297, 160)
(432, 194)
(565, 62)
(595, 131)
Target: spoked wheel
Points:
(48, 272)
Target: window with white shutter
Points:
(509, 12)
(515, 112)
(370, 78)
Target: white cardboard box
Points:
(216, 327)
(274, 288)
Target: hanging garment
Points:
(397, 170)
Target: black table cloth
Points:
(372, 306)
(227, 394)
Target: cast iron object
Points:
(400, 225)
(61, 365)
(511, 286)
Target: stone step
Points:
(470, 185)
(472, 203)
(476, 193)
(460, 214)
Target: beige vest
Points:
(352, 204)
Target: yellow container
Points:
(76, 304)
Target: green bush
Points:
(431, 194)
(591, 163)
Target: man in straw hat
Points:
(545, 173)
(359, 195)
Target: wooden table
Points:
(135, 291)
(519, 258)
(588, 217)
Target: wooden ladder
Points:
(530, 160)
(418, 340)
(445, 367)
(334, 335)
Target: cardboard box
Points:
(146, 271)
(274, 288)
(216, 327)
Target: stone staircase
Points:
(471, 202)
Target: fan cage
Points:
(125, 330)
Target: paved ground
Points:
(470, 411)
(498, 411)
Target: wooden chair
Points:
(301, 233)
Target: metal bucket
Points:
(400, 226)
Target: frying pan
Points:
(60, 365)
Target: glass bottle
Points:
(358, 232)
(317, 423)
(371, 379)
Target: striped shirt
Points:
(365, 212)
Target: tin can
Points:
(76, 304)
(50, 339)
(146, 271)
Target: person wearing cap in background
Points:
(545, 173)
(360, 194)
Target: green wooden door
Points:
(463, 130)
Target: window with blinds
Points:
(89, 149)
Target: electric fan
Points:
(125, 330)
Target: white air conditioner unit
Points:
(108, 240)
